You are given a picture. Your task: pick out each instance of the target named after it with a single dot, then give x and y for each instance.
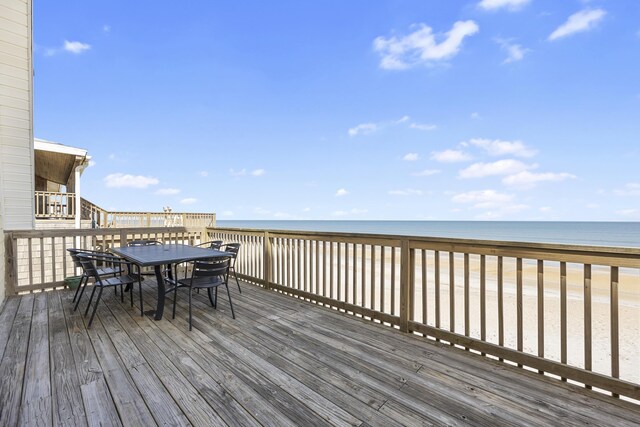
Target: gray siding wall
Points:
(16, 121)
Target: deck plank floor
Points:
(281, 362)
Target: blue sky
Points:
(350, 109)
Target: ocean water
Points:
(620, 234)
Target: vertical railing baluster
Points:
(540, 310)
(373, 277)
(563, 314)
(355, 274)
(424, 286)
(452, 293)
(615, 329)
(383, 281)
(519, 306)
(483, 299)
(363, 276)
(500, 274)
(436, 283)
(467, 327)
(393, 280)
(587, 320)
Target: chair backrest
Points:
(215, 244)
(143, 242)
(87, 263)
(232, 249)
(73, 253)
(211, 267)
(101, 258)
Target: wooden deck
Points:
(282, 362)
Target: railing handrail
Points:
(629, 256)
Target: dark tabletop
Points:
(165, 254)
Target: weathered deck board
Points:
(282, 362)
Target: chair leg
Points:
(86, 282)
(190, 290)
(121, 293)
(230, 303)
(215, 300)
(210, 297)
(93, 291)
(78, 288)
(131, 293)
(237, 282)
(95, 307)
(140, 292)
(175, 297)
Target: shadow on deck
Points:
(282, 362)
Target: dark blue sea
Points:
(621, 234)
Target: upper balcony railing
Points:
(50, 204)
(566, 311)
(53, 205)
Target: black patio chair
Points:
(209, 275)
(232, 249)
(105, 268)
(88, 262)
(214, 244)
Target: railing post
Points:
(267, 260)
(405, 285)
(11, 264)
(123, 238)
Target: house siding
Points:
(16, 122)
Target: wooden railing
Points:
(38, 259)
(566, 311)
(49, 204)
(101, 218)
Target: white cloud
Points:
(402, 119)
(426, 126)
(306, 210)
(501, 167)
(475, 115)
(188, 201)
(545, 209)
(499, 4)
(92, 163)
(76, 47)
(106, 28)
(353, 211)
(227, 213)
(341, 192)
(363, 129)
(167, 191)
(592, 206)
(630, 189)
(580, 21)
(498, 147)
(240, 172)
(450, 156)
(426, 172)
(411, 157)
(203, 174)
(515, 52)
(526, 179)
(483, 199)
(258, 172)
(420, 47)
(120, 180)
(407, 192)
(261, 211)
(629, 213)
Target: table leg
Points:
(161, 291)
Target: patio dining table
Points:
(158, 255)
